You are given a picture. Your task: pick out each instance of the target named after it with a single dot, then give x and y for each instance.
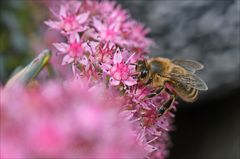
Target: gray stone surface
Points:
(204, 30)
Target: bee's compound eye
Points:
(143, 73)
(140, 64)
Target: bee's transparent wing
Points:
(189, 80)
(190, 65)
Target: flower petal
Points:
(149, 148)
(74, 69)
(67, 59)
(117, 58)
(87, 47)
(62, 47)
(130, 81)
(82, 18)
(63, 11)
(114, 82)
(74, 38)
(129, 59)
(117, 75)
(98, 24)
(84, 61)
(105, 67)
(53, 24)
(75, 5)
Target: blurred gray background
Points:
(207, 31)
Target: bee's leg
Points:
(167, 105)
(169, 92)
(158, 91)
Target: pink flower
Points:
(110, 12)
(69, 19)
(143, 112)
(105, 52)
(75, 52)
(108, 32)
(117, 15)
(136, 39)
(65, 120)
(106, 7)
(120, 71)
(104, 23)
(74, 49)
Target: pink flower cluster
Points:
(144, 115)
(95, 33)
(103, 44)
(66, 120)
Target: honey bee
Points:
(157, 72)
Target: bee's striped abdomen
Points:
(187, 94)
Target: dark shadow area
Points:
(208, 130)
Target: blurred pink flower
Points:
(117, 15)
(69, 18)
(136, 39)
(66, 120)
(106, 7)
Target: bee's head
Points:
(142, 69)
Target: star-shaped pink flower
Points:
(120, 71)
(74, 49)
(69, 20)
(108, 32)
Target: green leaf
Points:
(31, 71)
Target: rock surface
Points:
(207, 31)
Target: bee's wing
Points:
(189, 80)
(189, 65)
